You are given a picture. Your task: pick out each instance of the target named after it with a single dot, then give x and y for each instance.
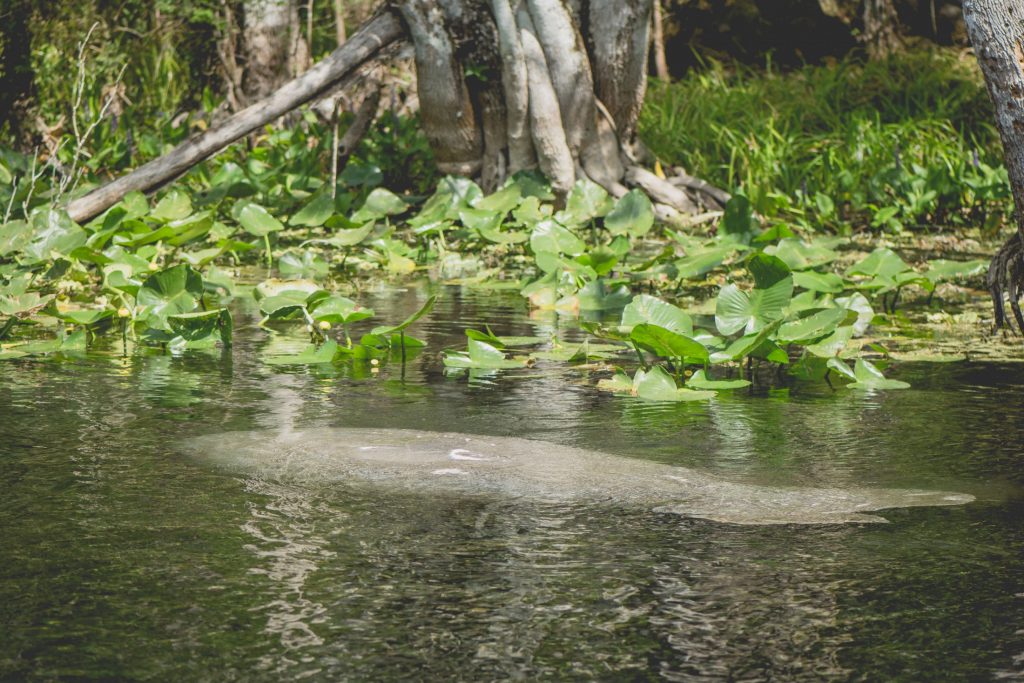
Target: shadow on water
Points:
(122, 558)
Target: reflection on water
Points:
(111, 537)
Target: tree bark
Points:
(339, 23)
(881, 28)
(272, 46)
(660, 63)
(363, 46)
(17, 77)
(996, 30)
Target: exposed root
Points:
(717, 196)
(549, 141)
(516, 85)
(1006, 279)
(660, 190)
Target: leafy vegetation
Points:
(896, 145)
(668, 313)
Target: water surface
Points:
(121, 557)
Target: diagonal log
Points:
(379, 32)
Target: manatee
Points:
(432, 462)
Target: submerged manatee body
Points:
(537, 470)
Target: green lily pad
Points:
(378, 204)
(23, 305)
(174, 206)
(586, 200)
(202, 326)
(502, 201)
(257, 221)
(828, 283)
(700, 381)
(339, 309)
(312, 355)
(645, 308)
(800, 255)
(700, 263)
(813, 326)
(871, 378)
(308, 264)
(345, 238)
(169, 292)
(941, 270)
(668, 344)
(317, 210)
(550, 236)
(653, 385)
(385, 330)
(480, 356)
(882, 262)
(736, 310)
(832, 345)
(633, 215)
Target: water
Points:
(122, 557)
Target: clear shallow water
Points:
(121, 557)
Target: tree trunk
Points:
(996, 29)
(339, 23)
(881, 28)
(511, 84)
(17, 78)
(273, 48)
(660, 63)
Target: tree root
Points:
(503, 85)
(1006, 277)
(707, 191)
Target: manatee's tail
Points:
(762, 505)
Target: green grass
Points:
(900, 143)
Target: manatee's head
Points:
(335, 454)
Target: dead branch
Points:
(365, 44)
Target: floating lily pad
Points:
(481, 356)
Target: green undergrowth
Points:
(905, 143)
(668, 314)
(786, 280)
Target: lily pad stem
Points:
(8, 326)
(270, 255)
(640, 356)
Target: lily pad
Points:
(169, 292)
(257, 221)
(645, 308)
(339, 309)
(312, 355)
(668, 344)
(316, 211)
(385, 330)
(700, 381)
(736, 310)
(653, 385)
(633, 215)
(481, 356)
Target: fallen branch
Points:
(365, 115)
(376, 34)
